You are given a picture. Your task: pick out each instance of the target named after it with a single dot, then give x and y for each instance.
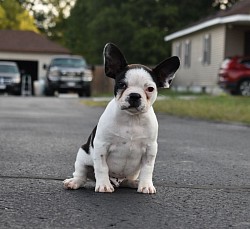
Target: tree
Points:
(224, 4)
(49, 15)
(137, 26)
(13, 16)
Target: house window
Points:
(207, 49)
(187, 54)
(178, 49)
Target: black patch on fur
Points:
(164, 71)
(120, 78)
(90, 141)
(115, 61)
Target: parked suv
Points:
(10, 78)
(68, 73)
(234, 75)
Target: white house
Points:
(29, 50)
(203, 46)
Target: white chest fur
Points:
(125, 138)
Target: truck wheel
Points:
(49, 92)
(244, 88)
(80, 93)
(85, 92)
(88, 92)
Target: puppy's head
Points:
(136, 85)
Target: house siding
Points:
(200, 74)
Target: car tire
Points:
(85, 92)
(15, 92)
(80, 94)
(18, 93)
(49, 92)
(88, 92)
(244, 87)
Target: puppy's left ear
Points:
(165, 71)
(114, 61)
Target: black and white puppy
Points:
(122, 147)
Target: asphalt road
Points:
(202, 172)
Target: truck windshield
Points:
(8, 69)
(69, 62)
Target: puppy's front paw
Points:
(104, 187)
(73, 183)
(146, 188)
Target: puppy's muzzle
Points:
(134, 100)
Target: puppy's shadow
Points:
(89, 189)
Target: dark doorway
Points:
(247, 43)
(27, 68)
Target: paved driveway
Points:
(202, 172)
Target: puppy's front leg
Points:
(147, 168)
(102, 171)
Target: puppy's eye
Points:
(150, 89)
(122, 85)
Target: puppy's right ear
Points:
(114, 61)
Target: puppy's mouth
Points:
(133, 109)
(130, 107)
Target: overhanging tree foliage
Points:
(49, 15)
(13, 16)
(137, 26)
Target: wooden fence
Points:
(101, 84)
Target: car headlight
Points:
(54, 75)
(16, 79)
(87, 76)
(53, 78)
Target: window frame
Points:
(178, 49)
(187, 54)
(206, 52)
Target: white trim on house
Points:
(216, 21)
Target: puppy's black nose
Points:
(134, 100)
(134, 96)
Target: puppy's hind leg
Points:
(81, 169)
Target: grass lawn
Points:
(217, 108)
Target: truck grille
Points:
(70, 78)
(5, 80)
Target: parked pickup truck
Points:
(68, 73)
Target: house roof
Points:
(239, 13)
(28, 42)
